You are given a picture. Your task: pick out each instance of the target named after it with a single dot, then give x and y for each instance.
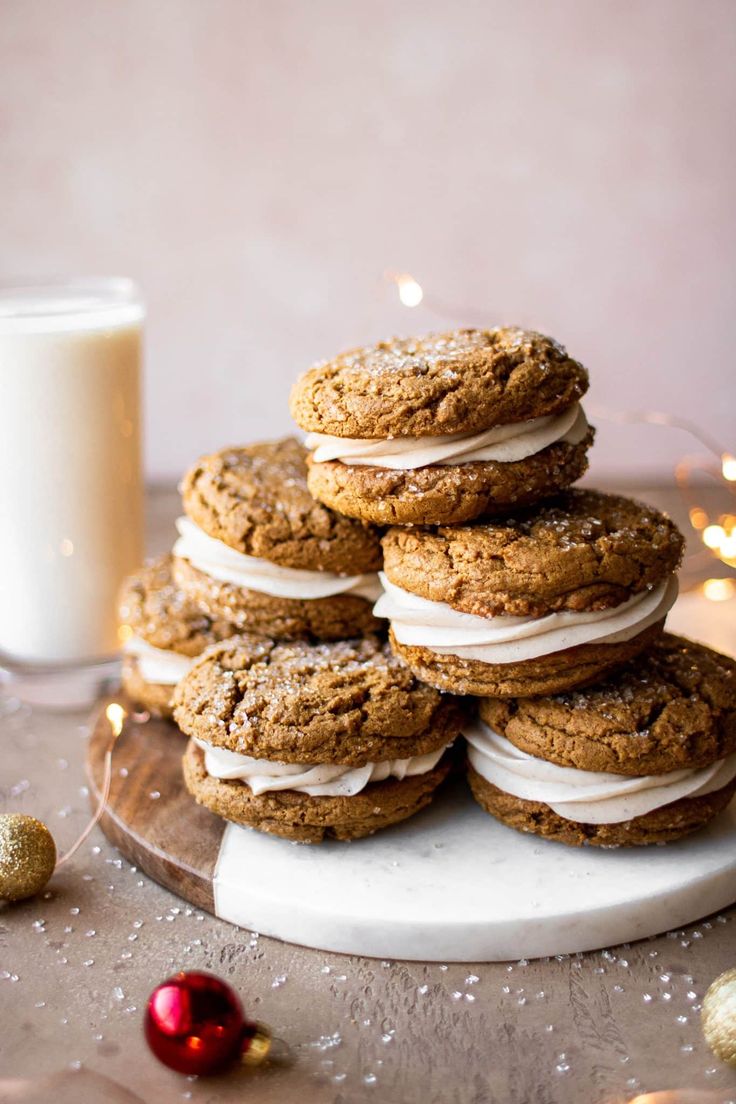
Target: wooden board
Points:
(451, 884)
(172, 839)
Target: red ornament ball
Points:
(195, 1025)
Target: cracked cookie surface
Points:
(673, 708)
(462, 381)
(159, 612)
(333, 618)
(350, 702)
(255, 499)
(447, 494)
(584, 550)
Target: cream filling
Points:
(420, 622)
(320, 780)
(158, 664)
(589, 797)
(505, 444)
(226, 565)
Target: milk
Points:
(71, 524)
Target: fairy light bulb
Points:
(719, 590)
(713, 536)
(411, 293)
(698, 518)
(728, 467)
(115, 715)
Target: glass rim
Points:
(83, 303)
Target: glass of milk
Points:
(71, 504)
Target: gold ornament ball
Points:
(27, 856)
(719, 1017)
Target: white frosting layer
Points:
(157, 664)
(225, 564)
(505, 444)
(504, 639)
(321, 780)
(589, 797)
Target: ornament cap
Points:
(256, 1045)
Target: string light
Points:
(718, 536)
(713, 535)
(719, 590)
(410, 292)
(116, 716)
(728, 467)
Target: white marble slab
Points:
(454, 885)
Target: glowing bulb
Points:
(698, 518)
(713, 536)
(728, 467)
(728, 548)
(124, 633)
(411, 294)
(719, 590)
(115, 715)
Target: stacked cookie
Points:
(302, 721)
(255, 552)
(503, 583)
(163, 632)
(550, 599)
(443, 429)
(645, 756)
(433, 498)
(313, 740)
(256, 549)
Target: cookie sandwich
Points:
(256, 550)
(548, 600)
(646, 756)
(162, 633)
(441, 429)
(312, 740)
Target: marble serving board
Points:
(451, 884)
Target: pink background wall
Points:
(258, 165)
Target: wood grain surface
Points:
(149, 815)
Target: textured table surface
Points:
(77, 965)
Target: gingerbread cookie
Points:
(674, 708)
(644, 757)
(305, 818)
(548, 600)
(444, 428)
(662, 825)
(257, 550)
(311, 739)
(162, 631)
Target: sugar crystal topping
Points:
(419, 355)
